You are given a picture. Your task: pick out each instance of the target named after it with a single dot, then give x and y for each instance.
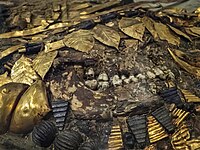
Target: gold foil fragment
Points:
(56, 16)
(194, 144)
(150, 147)
(32, 107)
(4, 79)
(10, 50)
(195, 30)
(180, 137)
(9, 97)
(22, 71)
(189, 97)
(99, 7)
(43, 62)
(80, 6)
(54, 46)
(25, 32)
(155, 130)
(179, 115)
(189, 68)
(179, 32)
(115, 140)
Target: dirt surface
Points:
(104, 83)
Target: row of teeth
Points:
(103, 81)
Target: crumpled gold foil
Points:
(22, 71)
(9, 97)
(32, 107)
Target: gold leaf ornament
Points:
(149, 24)
(195, 30)
(179, 32)
(81, 40)
(31, 108)
(165, 34)
(43, 62)
(22, 71)
(160, 31)
(106, 35)
(133, 27)
(189, 68)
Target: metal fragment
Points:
(180, 137)
(194, 144)
(60, 110)
(155, 130)
(165, 34)
(129, 140)
(162, 115)
(179, 115)
(138, 126)
(189, 97)
(171, 95)
(189, 68)
(44, 133)
(179, 32)
(25, 32)
(68, 139)
(54, 46)
(99, 7)
(115, 140)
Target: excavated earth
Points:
(136, 71)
